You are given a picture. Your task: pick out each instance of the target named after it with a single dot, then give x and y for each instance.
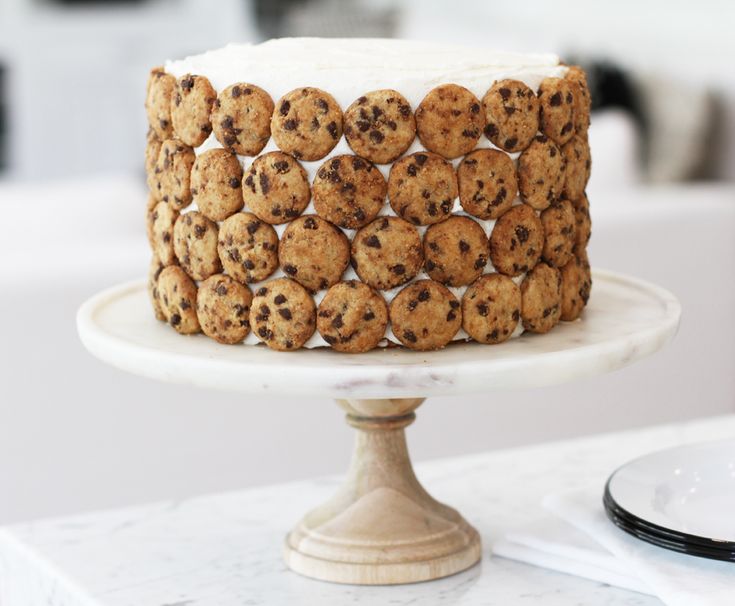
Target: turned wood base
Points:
(381, 527)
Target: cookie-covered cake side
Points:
(354, 194)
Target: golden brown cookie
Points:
(576, 284)
(380, 126)
(314, 252)
(487, 183)
(387, 252)
(516, 241)
(223, 309)
(559, 239)
(307, 123)
(541, 173)
(177, 295)
(576, 154)
(449, 120)
(195, 245)
(276, 188)
(191, 107)
(283, 314)
(511, 115)
(425, 315)
(155, 269)
(557, 109)
(582, 99)
(352, 317)
(158, 102)
(349, 191)
(422, 188)
(247, 247)
(173, 173)
(152, 149)
(491, 308)
(583, 227)
(215, 184)
(456, 251)
(541, 298)
(161, 220)
(241, 118)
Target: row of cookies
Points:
(380, 125)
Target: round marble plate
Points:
(626, 319)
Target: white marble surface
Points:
(225, 550)
(626, 319)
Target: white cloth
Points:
(581, 541)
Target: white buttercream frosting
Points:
(348, 68)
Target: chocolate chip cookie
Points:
(491, 308)
(223, 309)
(559, 239)
(283, 314)
(195, 245)
(177, 295)
(313, 252)
(576, 154)
(155, 269)
(422, 188)
(380, 126)
(241, 118)
(387, 252)
(276, 188)
(161, 220)
(247, 247)
(307, 123)
(582, 99)
(557, 109)
(349, 191)
(172, 175)
(516, 241)
(152, 149)
(511, 115)
(541, 298)
(541, 173)
(449, 120)
(352, 317)
(158, 102)
(487, 183)
(455, 251)
(215, 184)
(583, 222)
(576, 284)
(425, 315)
(192, 104)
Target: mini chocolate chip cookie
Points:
(192, 104)
(541, 298)
(313, 252)
(172, 175)
(276, 188)
(516, 241)
(158, 102)
(195, 245)
(511, 115)
(177, 295)
(223, 309)
(387, 252)
(155, 269)
(215, 184)
(583, 222)
(541, 173)
(425, 315)
(380, 126)
(576, 154)
(582, 99)
(422, 188)
(247, 247)
(557, 109)
(576, 284)
(559, 238)
(241, 118)
(161, 220)
(352, 317)
(283, 314)
(491, 308)
(307, 123)
(349, 191)
(449, 120)
(456, 251)
(152, 149)
(487, 183)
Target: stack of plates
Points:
(681, 499)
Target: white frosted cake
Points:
(361, 193)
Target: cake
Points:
(358, 193)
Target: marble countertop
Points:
(225, 550)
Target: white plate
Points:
(689, 490)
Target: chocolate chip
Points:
(290, 124)
(285, 108)
(493, 336)
(368, 315)
(451, 316)
(234, 183)
(411, 170)
(236, 92)
(491, 130)
(482, 309)
(424, 295)
(421, 158)
(337, 322)
(399, 269)
(221, 290)
(511, 142)
(358, 163)
(463, 246)
(322, 105)
(261, 292)
(555, 99)
(522, 233)
(409, 336)
(332, 130)
(516, 315)
(310, 223)
(248, 264)
(290, 270)
(376, 136)
(175, 319)
(281, 167)
(285, 313)
(505, 93)
(372, 241)
(253, 226)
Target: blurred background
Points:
(77, 435)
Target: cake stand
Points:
(382, 527)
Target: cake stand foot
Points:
(381, 527)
